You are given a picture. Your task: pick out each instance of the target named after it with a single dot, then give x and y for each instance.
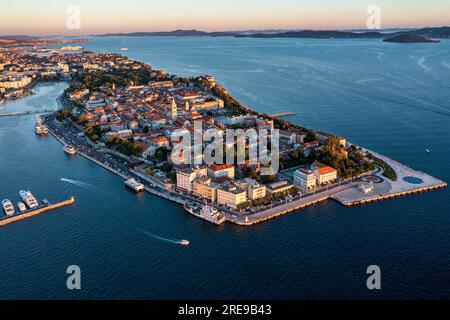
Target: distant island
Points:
(435, 32)
(410, 38)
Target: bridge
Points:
(12, 114)
(281, 115)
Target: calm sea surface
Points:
(392, 98)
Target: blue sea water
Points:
(392, 98)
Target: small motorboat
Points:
(184, 242)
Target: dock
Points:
(13, 114)
(281, 115)
(32, 213)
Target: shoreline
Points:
(276, 211)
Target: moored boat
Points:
(8, 207)
(22, 207)
(70, 149)
(135, 185)
(28, 199)
(205, 212)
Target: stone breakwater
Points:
(36, 212)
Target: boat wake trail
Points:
(154, 236)
(77, 183)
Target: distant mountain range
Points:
(434, 33)
(176, 33)
(437, 32)
(18, 38)
(409, 38)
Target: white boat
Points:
(8, 207)
(206, 212)
(70, 149)
(38, 129)
(184, 242)
(44, 130)
(22, 207)
(427, 150)
(41, 130)
(123, 49)
(134, 185)
(28, 199)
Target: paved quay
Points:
(347, 193)
(271, 213)
(409, 181)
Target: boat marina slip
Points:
(30, 207)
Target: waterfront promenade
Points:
(348, 193)
(409, 181)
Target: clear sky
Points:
(48, 17)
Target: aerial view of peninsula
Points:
(237, 151)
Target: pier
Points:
(281, 115)
(13, 114)
(32, 213)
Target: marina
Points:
(34, 212)
(28, 208)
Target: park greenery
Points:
(348, 165)
(93, 132)
(124, 146)
(63, 114)
(119, 77)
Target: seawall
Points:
(36, 212)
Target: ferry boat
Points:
(22, 207)
(70, 149)
(8, 207)
(134, 185)
(28, 199)
(184, 242)
(206, 212)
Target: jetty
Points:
(281, 115)
(13, 114)
(31, 213)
